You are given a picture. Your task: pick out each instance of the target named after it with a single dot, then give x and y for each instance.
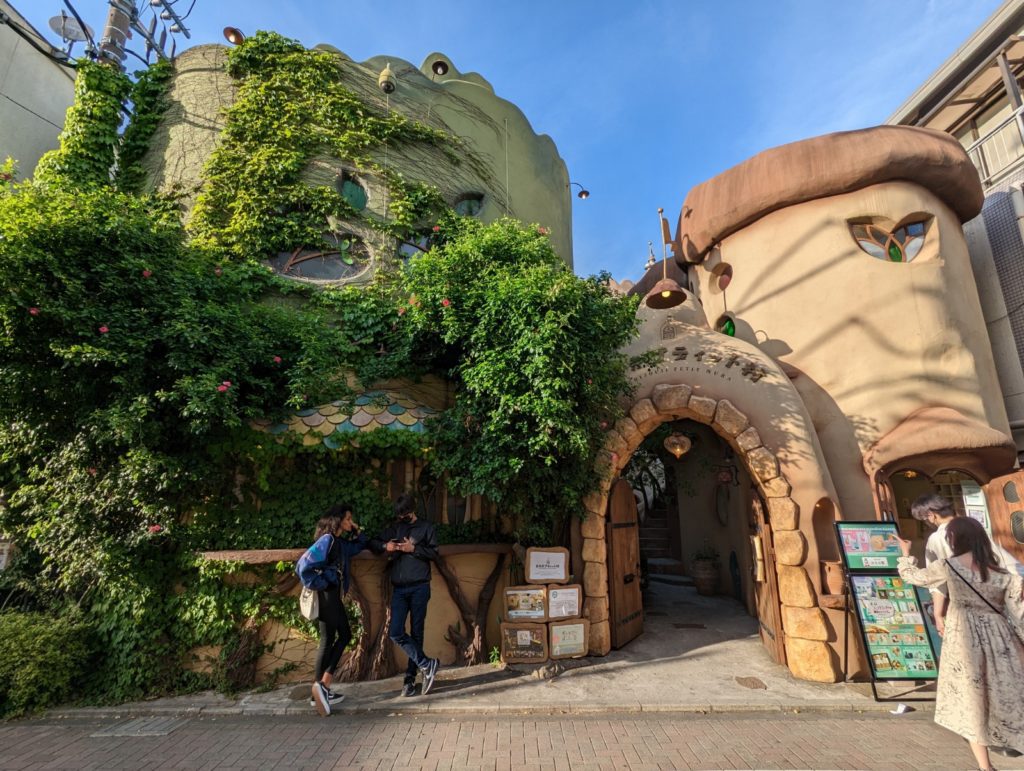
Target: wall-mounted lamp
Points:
(666, 293)
(234, 36)
(583, 193)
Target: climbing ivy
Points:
(136, 354)
(292, 104)
(88, 142)
(148, 97)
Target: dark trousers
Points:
(335, 633)
(411, 602)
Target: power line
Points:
(29, 109)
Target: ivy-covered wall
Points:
(491, 143)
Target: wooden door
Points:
(1005, 496)
(625, 605)
(766, 583)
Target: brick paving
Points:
(780, 741)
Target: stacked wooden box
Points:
(543, 620)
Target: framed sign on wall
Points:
(547, 566)
(569, 639)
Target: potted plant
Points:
(704, 569)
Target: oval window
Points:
(469, 204)
(1017, 526)
(726, 324)
(352, 191)
(1010, 493)
(341, 256)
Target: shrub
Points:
(42, 657)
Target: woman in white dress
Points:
(981, 674)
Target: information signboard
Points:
(868, 545)
(893, 625)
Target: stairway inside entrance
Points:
(655, 547)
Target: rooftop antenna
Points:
(71, 30)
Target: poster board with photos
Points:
(526, 603)
(569, 639)
(893, 628)
(565, 601)
(524, 643)
(547, 566)
(871, 545)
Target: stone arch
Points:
(807, 629)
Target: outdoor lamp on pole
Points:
(666, 293)
(583, 193)
(234, 36)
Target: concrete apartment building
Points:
(976, 95)
(35, 92)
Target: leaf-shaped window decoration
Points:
(901, 245)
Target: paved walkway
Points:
(744, 741)
(674, 666)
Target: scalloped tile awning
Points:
(336, 423)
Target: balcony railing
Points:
(1001, 150)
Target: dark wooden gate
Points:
(766, 583)
(1005, 497)
(625, 605)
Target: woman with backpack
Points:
(324, 568)
(979, 695)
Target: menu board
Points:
(524, 643)
(564, 601)
(869, 545)
(526, 603)
(569, 639)
(893, 624)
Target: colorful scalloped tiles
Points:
(333, 425)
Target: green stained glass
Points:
(354, 193)
(729, 327)
(895, 253)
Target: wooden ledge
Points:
(273, 556)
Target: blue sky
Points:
(643, 98)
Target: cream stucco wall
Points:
(35, 92)
(867, 342)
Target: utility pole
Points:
(116, 33)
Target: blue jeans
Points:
(410, 601)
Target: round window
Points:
(470, 204)
(352, 191)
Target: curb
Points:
(452, 710)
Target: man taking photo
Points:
(411, 545)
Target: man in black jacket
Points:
(410, 544)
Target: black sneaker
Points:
(428, 675)
(409, 689)
(321, 699)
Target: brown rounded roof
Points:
(820, 167)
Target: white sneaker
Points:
(333, 697)
(321, 699)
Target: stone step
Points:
(665, 566)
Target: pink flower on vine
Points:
(401, 311)
(446, 302)
(222, 388)
(92, 471)
(604, 424)
(155, 528)
(277, 360)
(217, 271)
(589, 381)
(226, 383)
(147, 273)
(104, 329)
(437, 228)
(33, 311)
(543, 230)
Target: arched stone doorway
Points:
(705, 377)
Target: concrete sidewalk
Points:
(676, 666)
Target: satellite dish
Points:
(69, 29)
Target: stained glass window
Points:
(901, 245)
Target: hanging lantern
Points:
(678, 444)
